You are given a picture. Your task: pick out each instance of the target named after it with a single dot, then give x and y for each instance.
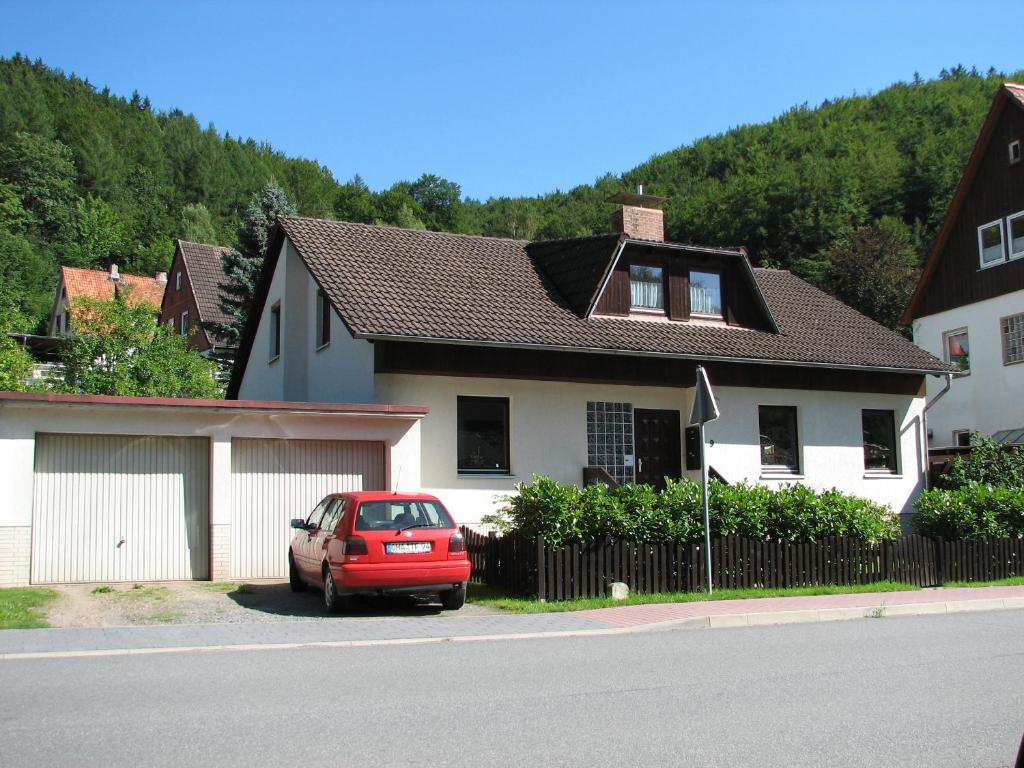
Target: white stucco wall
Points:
(990, 398)
(20, 421)
(548, 435)
(340, 372)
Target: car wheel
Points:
(333, 601)
(453, 599)
(294, 580)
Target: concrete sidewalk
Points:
(347, 632)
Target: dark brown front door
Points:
(657, 446)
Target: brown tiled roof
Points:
(388, 282)
(96, 284)
(205, 273)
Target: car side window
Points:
(313, 521)
(330, 520)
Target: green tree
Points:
(119, 349)
(196, 224)
(242, 265)
(42, 173)
(101, 234)
(15, 363)
(875, 270)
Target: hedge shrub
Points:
(974, 510)
(565, 514)
(988, 463)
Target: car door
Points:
(324, 534)
(303, 541)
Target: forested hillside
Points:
(848, 193)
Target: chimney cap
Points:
(637, 200)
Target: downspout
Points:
(924, 426)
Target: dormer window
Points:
(705, 294)
(990, 243)
(646, 288)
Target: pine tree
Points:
(242, 265)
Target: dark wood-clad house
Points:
(192, 295)
(968, 307)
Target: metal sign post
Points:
(705, 409)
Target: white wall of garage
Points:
(396, 429)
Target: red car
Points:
(375, 543)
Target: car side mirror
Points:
(298, 522)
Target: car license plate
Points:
(407, 547)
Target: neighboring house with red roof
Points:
(75, 283)
(193, 293)
(968, 307)
(578, 357)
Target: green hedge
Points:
(989, 463)
(972, 511)
(564, 514)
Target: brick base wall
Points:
(15, 555)
(220, 552)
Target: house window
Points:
(177, 280)
(323, 320)
(646, 287)
(706, 294)
(1014, 152)
(1015, 227)
(962, 438)
(170, 323)
(780, 448)
(184, 323)
(957, 349)
(275, 331)
(879, 440)
(483, 445)
(990, 243)
(1013, 339)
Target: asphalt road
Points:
(924, 691)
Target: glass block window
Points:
(706, 294)
(1013, 339)
(610, 439)
(646, 287)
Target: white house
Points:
(578, 356)
(968, 307)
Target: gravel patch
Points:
(197, 602)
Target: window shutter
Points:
(678, 291)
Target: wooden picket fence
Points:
(528, 567)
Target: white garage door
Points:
(276, 480)
(120, 508)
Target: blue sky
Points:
(505, 98)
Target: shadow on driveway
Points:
(278, 599)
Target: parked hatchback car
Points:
(377, 543)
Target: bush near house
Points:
(565, 514)
(980, 495)
(972, 511)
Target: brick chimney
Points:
(640, 216)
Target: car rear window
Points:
(393, 515)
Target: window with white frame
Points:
(1012, 328)
(962, 438)
(706, 294)
(1015, 235)
(1014, 148)
(184, 323)
(646, 287)
(177, 280)
(879, 430)
(780, 446)
(956, 347)
(990, 243)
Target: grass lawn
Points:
(21, 607)
(1013, 581)
(483, 595)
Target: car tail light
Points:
(356, 545)
(456, 544)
